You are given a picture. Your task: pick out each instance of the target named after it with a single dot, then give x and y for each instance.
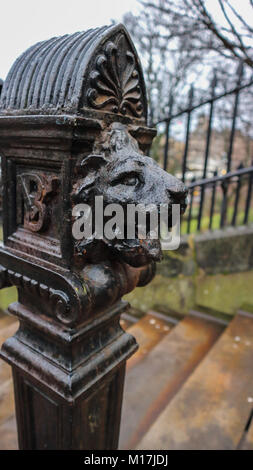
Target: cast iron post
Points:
(72, 110)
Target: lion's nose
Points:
(178, 192)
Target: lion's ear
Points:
(82, 191)
(92, 162)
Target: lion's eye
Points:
(128, 180)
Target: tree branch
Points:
(208, 21)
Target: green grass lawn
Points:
(216, 221)
(9, 294)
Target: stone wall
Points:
(213, 270)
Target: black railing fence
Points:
(221, 200)
(235, 186)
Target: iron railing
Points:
(218, 187)
(235, 185)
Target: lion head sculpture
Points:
(123, 175)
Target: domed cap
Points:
(97, 69)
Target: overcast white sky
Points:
(25, 22)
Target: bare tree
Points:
(181, 40)
(231, 37)
(167, 66)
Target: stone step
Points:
(6, 320)
(8, 434)
(127, 320)
(152, 383)
(212, 315)
(8, 326)
(247, 439)
(212, 409)
(7, 405)
(148, 331)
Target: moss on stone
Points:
(201, 272)
(210, 270)
(174, 293)
(225, 292)
(7, 296)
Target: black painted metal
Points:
(72, 126)
(221, 178)
(224, 187)
(201, 204)
(184, 164)
(208, 139)
(221, 187)
(60, 74)
(204, 102)
(248, 199)
(209, 130)
(223, 182)
(212, 203)
(237, 196)
(230, 152)
(167, 133)
(235, 109)
(189, 218)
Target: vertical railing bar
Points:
(224, 186)
(209, 130)
(166, 147)
(190, 212)
(1, 85)
(201, 204)
(232, 134)
(230, 150)
(167, 131)
(212, 206)
(246, 214)
(212, 202)
(208, 139)
(184, 165)
(237, 197)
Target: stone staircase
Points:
(189, 386)
(194, 388)
(8, 432)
